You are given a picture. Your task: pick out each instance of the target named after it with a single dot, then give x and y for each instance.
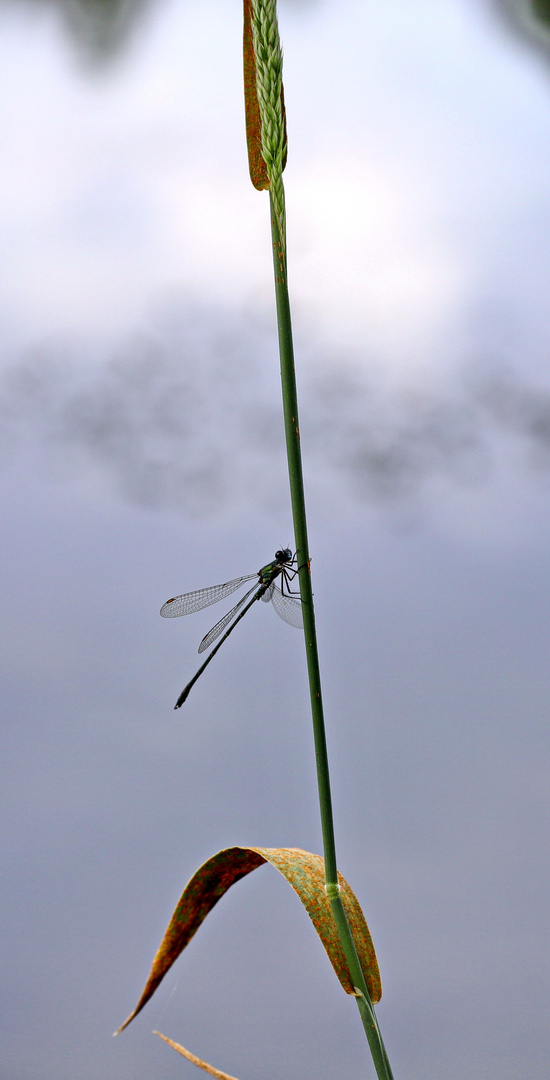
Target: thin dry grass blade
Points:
(217, 1073)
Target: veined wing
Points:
(288, 608)
(221, 625)
(201, 598)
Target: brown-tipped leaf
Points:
(302, 870)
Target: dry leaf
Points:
(217, 1073)
(302, 870)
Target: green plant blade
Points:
(305, 872)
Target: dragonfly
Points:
(286, 603)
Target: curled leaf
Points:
(305, 872)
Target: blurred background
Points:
(142, 456)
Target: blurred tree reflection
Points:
(531, 18)
(98, 27)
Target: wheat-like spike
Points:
(269, 81)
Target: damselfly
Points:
(287, 605)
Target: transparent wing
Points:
(221, 625)
(266, 596)
(201, 598)
(288, 608)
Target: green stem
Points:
(362, 996)
(292, 433)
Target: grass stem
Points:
(294, 455)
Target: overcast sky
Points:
(142, 456)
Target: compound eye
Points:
(284, 556)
